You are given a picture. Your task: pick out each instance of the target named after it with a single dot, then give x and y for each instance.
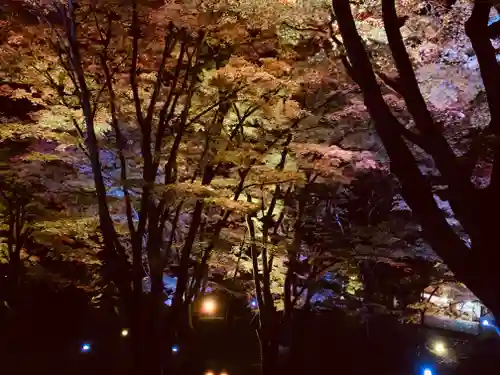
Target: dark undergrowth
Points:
(46, 332)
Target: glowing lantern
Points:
(124, 332)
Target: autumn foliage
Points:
(196, 139)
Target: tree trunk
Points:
(297, 346)
(269, 356)
(154, 323)
(474, 208)
(136, 336)
(13, 278)
(269, 342)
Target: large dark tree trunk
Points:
(298, 342)
(474, 208)
(154, 325)
(269, 346)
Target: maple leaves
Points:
(214, 115)
(205, 130)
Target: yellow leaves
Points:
(30, 131)
(222, 196)
(78, 228)
(3, 253)
(60, 118)
(224, 183)
(232, 205)
(38, 156)
(238, 157)
(195, 189)
(263, 175)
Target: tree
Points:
(33, 174)
(474, 207)
(195, 126)
(15, 207)
(206, 116)
(274, 248)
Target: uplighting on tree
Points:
(208, 306)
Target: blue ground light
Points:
(85, 348)
(490, 325)
(175, 348)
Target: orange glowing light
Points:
(208, 307)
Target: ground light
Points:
(427, 371)
(439, 348)
(209, 372)
(253, 305)
(175, 348)
(85, 348)
(487, 323)
(224, 373)
(124, 332)
(208, 306)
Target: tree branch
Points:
(476, 29)
(416, 190)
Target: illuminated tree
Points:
(172, 128)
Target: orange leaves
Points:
(231, 33)
(291, 109)
(15, 40)
(333, 162)
(177, 12)
(276, 67)
(262, 84)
